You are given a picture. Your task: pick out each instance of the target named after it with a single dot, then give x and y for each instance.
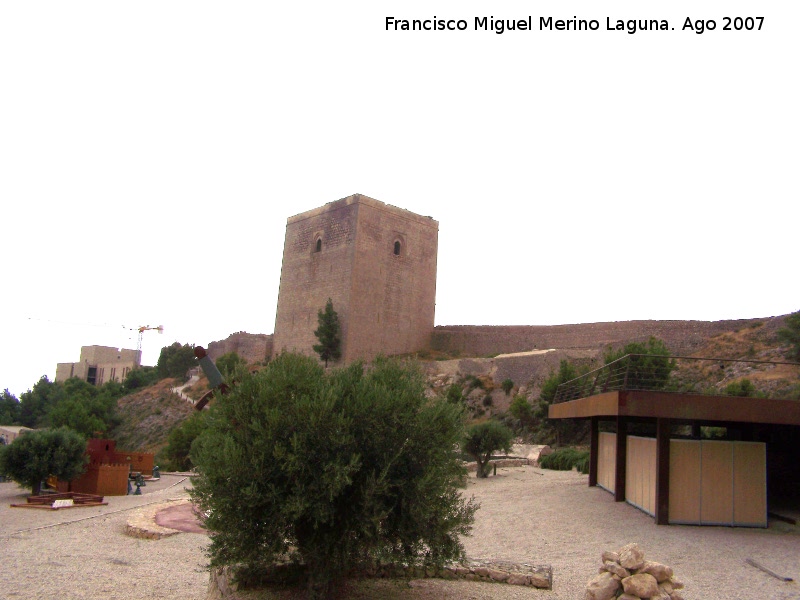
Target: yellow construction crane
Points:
(141, 330)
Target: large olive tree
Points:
(35, 455)
(331, 470)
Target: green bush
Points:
(507, 386)
(790, 335)
(229, 364)
(521, 410)
(473, 382)
(180, 441)
(139, 378)
(331, 470)
(650, 366)
(454, 394)
(564, 459)
(743, 388)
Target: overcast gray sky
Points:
(150, 154)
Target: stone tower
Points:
(376, 262)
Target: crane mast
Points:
(141, 330)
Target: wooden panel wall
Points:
(606, 460)
(640, 476)
(750, 484)
(718, 483)
(684, 481)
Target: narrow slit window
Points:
(397, 248)
(318, 246)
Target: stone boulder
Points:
(531, 452)
(631, 557)
(641, 585)
(602, 587)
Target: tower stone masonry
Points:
(376, 262)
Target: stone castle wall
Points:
(681, 337)
(253, 347)
(582, 342)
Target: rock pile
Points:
(626, 575)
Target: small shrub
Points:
(790, 335)
(744, 388)
(521, 409)
(713, 433)
(564, 459)
(229, 364)
(507, 386)
(487, 400)
(473, 382)
(582, 464)
(454, 394)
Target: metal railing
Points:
(685, 374)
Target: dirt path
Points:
(526, 515)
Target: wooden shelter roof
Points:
(679, 406)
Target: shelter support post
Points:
(593, 450)
(621, 457)
(663, 432)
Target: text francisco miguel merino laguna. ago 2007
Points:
(630, 26)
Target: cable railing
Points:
(649, 372)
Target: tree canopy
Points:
(175, 360)
(74, 403)
(229, 363)
(35, 455)
(648, 368)
(566, 371)
(9, 409)
(484, 439)
(329, 347)
(332, 469)
(139, 378)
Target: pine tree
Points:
(329, 347)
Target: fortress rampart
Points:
(681, 337)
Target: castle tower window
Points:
(397, 248)
(318, 245)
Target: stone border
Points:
(142, 522)
(502, 463)
(220, 586)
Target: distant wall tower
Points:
(376, 262)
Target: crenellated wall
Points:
(253, 347)
(681, 337)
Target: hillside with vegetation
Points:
(150, 415)
(147, 416)
(142, 414)
(752, 359)
(767, 375)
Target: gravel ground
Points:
(527, 515)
